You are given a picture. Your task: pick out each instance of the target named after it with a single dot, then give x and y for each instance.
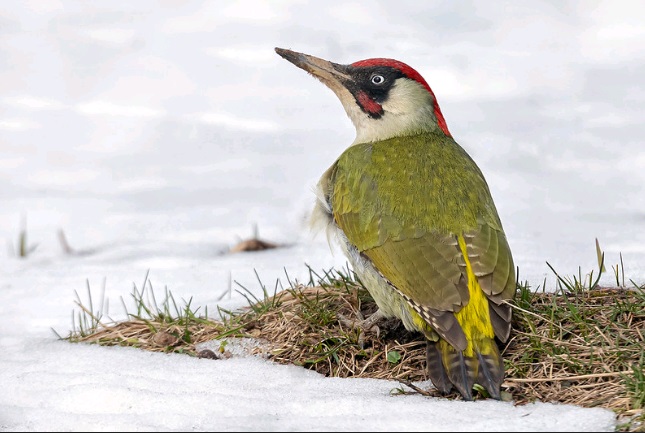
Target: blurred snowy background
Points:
(156, 134)
(173, 126)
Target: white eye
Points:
(377, 79)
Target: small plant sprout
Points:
(24, 249)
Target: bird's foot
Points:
(364, 325)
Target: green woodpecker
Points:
(415, 217)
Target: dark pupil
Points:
(377, 79)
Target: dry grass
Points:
(583, 347)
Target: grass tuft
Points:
(158, 326)
(24, 248)
(582, 344)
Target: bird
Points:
(415, 217)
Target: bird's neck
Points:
(390, 125)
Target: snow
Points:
(123, 389)
(157, 134)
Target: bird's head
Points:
(384, 98)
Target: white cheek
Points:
(407, 98)
(408, 109)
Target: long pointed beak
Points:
(331, 74)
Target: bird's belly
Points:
(389, 301)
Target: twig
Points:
(563, 378)
(415, 388)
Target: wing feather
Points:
(406, 223)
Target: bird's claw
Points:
(364, 325)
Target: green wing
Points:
(406, 221)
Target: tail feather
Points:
(491, 373)
(435, 368)
(462, 376)
(449, 367)
(461, 370)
